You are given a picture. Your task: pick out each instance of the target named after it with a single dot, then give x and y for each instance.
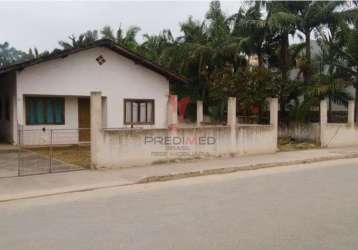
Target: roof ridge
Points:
(119, 49)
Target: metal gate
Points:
(44, 151)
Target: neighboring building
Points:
(295, 73)
(53, 92)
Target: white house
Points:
(52, 92)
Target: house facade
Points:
(53, 93)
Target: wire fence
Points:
(44, 151)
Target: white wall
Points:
(61, 134)
(120, 148)
(134, 147)
(79, 74)
(7, 90)
(301, 131)
(339, 135)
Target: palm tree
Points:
(127, 40)
(82, 40)
(331, 77)
(251, 29)
(281, 24)
(107, 33)
(196, 54)
(212, 49)
(35, 54)
(154, 46)
(310, 15)
(349, 55)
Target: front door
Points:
(84, 119)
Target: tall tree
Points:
(82, 40)
(10, 55)
(310, 15)
(349, 55)
(153, 46)
(281, 24)
(126, 39)
(251, 29)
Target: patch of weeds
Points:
(290, 144)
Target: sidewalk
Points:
(51, 184)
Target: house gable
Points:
(78, 74)
(138, 59)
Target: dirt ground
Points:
(75, 154)
(289, 144)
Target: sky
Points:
(41, 24)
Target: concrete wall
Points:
(134, 147)
(338, 135)
(131, 147)
(77, 74)
(8, 94)
(301, 131)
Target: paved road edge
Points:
(177, 176)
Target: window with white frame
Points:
(138, 111)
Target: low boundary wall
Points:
(301, 131)
(135, 147)
(338, 135)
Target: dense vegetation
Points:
(263, 50)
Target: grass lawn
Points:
(75, 154)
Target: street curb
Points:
(92, 188)
(176, 176)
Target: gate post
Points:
(231, 121)
(231, 112)
(51, 149)
(323, 121)
(172, 113)
(19, 159)
(199, 113)
(96, 127)
(273, 104)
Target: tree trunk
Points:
(307, 72)
(284, 57)
(260, 59)
(284, 73)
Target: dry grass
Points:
(75, 154)
(289, 144)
